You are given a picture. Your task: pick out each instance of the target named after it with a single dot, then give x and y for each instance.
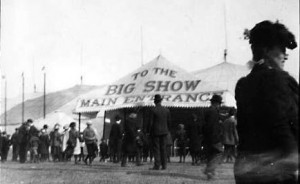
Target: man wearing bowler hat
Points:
(160, 121)
(212, 133)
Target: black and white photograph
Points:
(149, 91)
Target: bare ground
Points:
(109, 173)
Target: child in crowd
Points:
(34, 145)
(103, 150)
(181, 142)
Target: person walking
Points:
(160, 122)
(268, 111)
(89, 136)
(15, 144)
(230, 136)
(213, 137)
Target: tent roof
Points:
(224, 75)
(158, 76)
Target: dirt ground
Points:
(110, 173)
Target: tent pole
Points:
(103, 134)
(79, 120)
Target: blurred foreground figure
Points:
(267, 111)
(212, 133)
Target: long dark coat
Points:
(267, 124)
(130, 134)
(195, 136)
(212, 130)
(44, 144)
(115, 137)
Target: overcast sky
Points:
(101, 39)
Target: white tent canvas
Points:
(178, 88)
(56, 117)
(224, 75)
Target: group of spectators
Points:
(40, 144)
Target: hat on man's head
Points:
(157, 98)
(29, 121)
(216, 98)
(72, 124)
(88, 122)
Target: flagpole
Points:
(142, 57)
(23, 97)
(225, 31)
(44, 94)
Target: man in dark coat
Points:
(267, 111)
(5, 146)
(194, 133)
(23, 140)
(15, 144)
(160, 121)
(213, 136)
(115, 138)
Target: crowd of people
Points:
(128, 143)
(261, 138)
(42, 145)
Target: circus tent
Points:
(178, 87)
